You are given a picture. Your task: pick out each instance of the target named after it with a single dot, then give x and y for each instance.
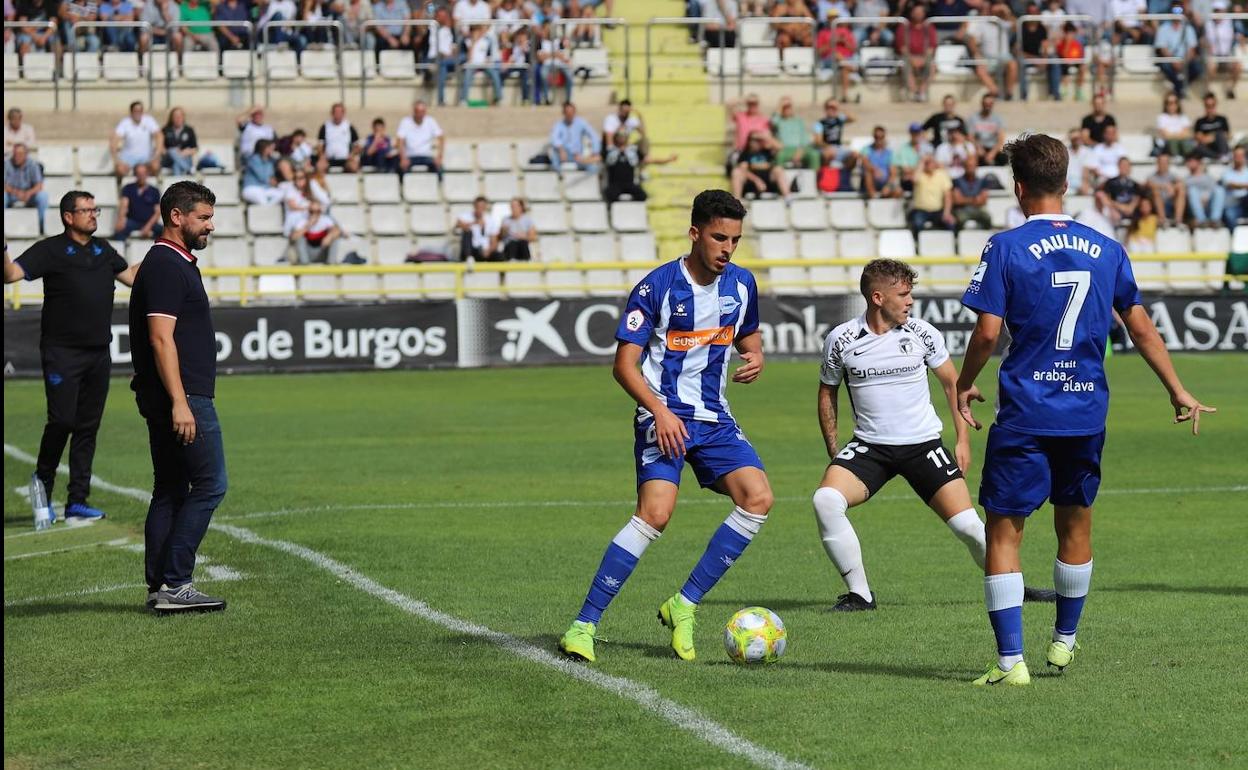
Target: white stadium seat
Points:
(817, 245)
(798, 62)
(971, 243)
(628, 217)
(847, 213)
(197, 65)
(84, 66)
(589, 217)
(428, 219)
(383, 188)
(460, 188)
(119, 66)
(38, 67)
(264, 220)
(769, 215)
(501, 186)
(12, 66)
(228, 222)
(776, 246)
(556, 248)
(396, 64)
(350, 217)
(761, 62)
(387, 219)
(457, 156)
(237, 64)
(542, 186)
(21, 223)
(281, 64)
(638, 247)
(419, 186)
(596, 248)
(57, 160)
(722, 60)
(808, 215)
(549, 218)
(345, 188)
(319, 65)
(494, 156)
(224, 187)
(392, 251)
(936, 243)
(581, 186)
(885, 213)
(896, 244)
(269, 250)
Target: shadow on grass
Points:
(776, 605)
(1168, 589)
(926, 673)
(44, 609)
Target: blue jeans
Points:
(544, 71)
(179, 164)
(1175, 74)
(40, 202)
(189, 483)
(469, 72)
(446, 68)
(133, 226)
(1053, 73)
(122, 38)
(1235, 208)
(1196, 204)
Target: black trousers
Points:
(75, 381)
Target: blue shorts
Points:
(1021, 470)
(714, 449)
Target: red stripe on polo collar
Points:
(188, 256)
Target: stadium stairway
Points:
(680, 118)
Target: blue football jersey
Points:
(687, 331)
(1055, 282)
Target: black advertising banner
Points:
(285, 339)
(522, 332)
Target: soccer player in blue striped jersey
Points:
(1055, 284)
(680, 323)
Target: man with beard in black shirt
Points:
(1212, 131)
(78, 271)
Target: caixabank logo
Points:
(559, 330)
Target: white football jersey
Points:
(886, 375)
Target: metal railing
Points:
(1210, 276)
(529, 67)
(678, 21)
(75, 29)
(266, 49)
(771, 21)
(900, 62)
(366, 52)
(247, 26)
(620, 24)
(1078, 19)
(1236, 42)
(17, 26)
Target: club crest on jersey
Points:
(905, 345)
(680, 309)
(635, 320)
(727, 305)
(643, 290)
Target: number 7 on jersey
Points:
(1079, 281)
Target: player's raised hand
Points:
(1186, 407)
(965, 397)
(671, 433)
(749, 371)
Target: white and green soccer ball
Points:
(755, 635)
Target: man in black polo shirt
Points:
(78, 271)
(174, 351)
(1213, 132)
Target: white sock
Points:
(840, 540)
(635, 536)
(1002, 592)
(1071, 581)
(969, 529)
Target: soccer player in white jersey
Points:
(882, 358)
(680, 323)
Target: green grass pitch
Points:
(490, 495)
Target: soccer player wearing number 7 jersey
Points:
(681, 323)
(1055, 284)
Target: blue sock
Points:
(1003, 596)
(726, 546)
(1072, 582)
(618, 562)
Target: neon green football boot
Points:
(578, 642)
(1018, 676)
(1060, 656)
(678, 615)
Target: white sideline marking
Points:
(120, 541)
(622, 503)
(74, 594)
(680, 716)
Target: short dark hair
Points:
(480, 199)
(715, 204)
(880, 270)
(261, 146)
(625, 102)
(135, 104)
(1039, 162)
(184, 196)
(69, 201)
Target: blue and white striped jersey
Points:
(687, 332)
